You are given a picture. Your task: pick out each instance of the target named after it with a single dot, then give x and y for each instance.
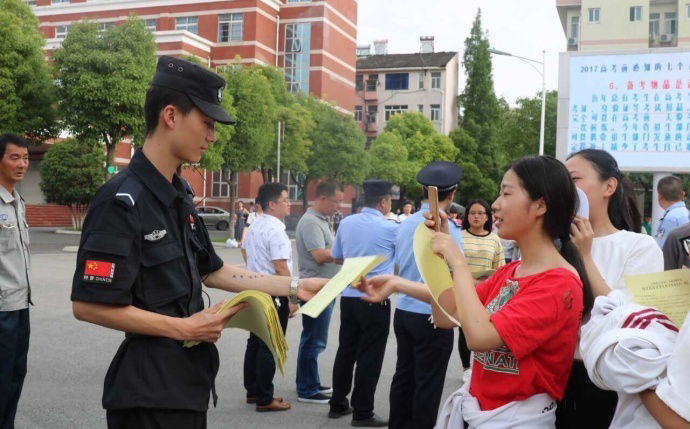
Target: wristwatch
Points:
(294, 284)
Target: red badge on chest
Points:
(99, 271)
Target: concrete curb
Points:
(70, 249)
(68, 232)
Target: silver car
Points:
(214, 217)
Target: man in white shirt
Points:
(407, 211)
(269, 251)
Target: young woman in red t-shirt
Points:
(522, 323)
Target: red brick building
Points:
(313, 41)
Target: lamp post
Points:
(543, 88)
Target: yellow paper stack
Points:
(261, 318)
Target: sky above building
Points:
(524, 28)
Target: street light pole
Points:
(543, 89)
(543, 103)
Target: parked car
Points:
(214, 217)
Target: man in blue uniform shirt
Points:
(671, 198)
(364, 326)
(423, 350)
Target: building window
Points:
(219, 187)
(421, 80)
(636, 13)
(31, 2)
(670, 22)
(102, 26)
(594, 15)
(299, 1)
(358, 113)
(150, 24)
(372, 111)
(687, 10)
(397, 81)
(435, 113)
(230, 27)
(575, 27)
(61, 31)
(372, 81)
(393, 110)
(58, 1)
(189, 23)
(435, 80)
(370, 140)
(420, 108)
(359, 82)
(654, 26)
(297, 51)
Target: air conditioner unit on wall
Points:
(572, 41)
(666, 38)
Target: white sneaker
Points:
(466, 376)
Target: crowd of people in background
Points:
(526, 358)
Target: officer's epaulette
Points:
(129, 191)
(188, 187)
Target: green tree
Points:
(296, 124)
(103, 81)
(388, 148)
(27, 90)
(519, 131)
(71, 173)
(423, 144)
(480, 117)
(337, 150)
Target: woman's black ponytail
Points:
(546, 177)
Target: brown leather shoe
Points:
(252, 399)
(275, 405)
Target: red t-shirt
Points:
(539, 328)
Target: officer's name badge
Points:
(155, 235)
(99, 272)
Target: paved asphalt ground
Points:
(68, 359)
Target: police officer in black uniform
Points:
(144, 254)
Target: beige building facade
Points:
(605, 25)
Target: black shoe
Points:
(319, 398)
(372, 422)
(335, 414)
(325, 390)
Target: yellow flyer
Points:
(352, 270)
(432, 267)
(667, 291)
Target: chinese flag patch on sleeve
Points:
(99, 271)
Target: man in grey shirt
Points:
(15, 292)
(677, 248)
(314, 239)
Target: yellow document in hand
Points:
(432, 267)
(352, 270)
(667, 291)
(259, 317)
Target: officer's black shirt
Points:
(144, 245)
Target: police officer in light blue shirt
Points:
(671, 198)
(423, 350)
(364, 326)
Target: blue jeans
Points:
(313, 342)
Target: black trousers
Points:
(584, 405)
(423, 354)
(14, 349)
(259, 365)
(151, 418)
(364, 331)
(465, 352)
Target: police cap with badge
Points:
(444, 175)
(202, 86)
